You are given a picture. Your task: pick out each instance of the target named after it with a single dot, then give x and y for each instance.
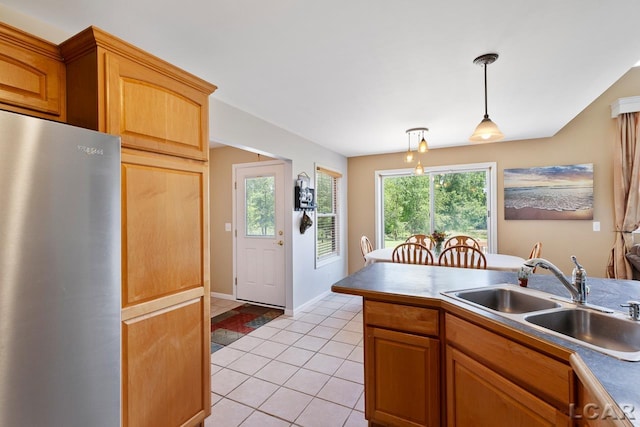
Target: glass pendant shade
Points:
(423, 147)
(419, 169)
(486, 131)
(408, 158)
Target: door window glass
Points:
(260, 206)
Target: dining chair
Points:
(423, 239)
(463, 256)
(365, 245)
(412, 253)
(461, 240)
(535, 253)
(536, 250)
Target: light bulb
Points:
(419, 169)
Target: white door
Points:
(260, 254)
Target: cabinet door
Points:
(32, 75)
(165, 291)
(154, 112)
(477, 396)
(402, 385)
(164, 373)
(163, 226)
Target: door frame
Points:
(288, 226)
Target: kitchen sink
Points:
(506, 300)
(598, 328)
(605, 331)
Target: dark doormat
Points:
(234, 324)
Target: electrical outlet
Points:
(596, 225)
(227, 226)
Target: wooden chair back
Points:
(535, 253)
(365, 245)
(461, 240)
(536, 250)
(412, 253)
(423, 239)
(463, 256)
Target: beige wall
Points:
(221, 161)
(589, 138)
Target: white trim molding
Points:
(630, 104)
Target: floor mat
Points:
(234, 324)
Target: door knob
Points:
(280, 242)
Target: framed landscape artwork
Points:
(549, 192)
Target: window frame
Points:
(335, 254)
(492, 197)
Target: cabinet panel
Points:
(548, 378)
(163, 226)
(164, 370)
(402, 385)
(32, 75)
(153, 112)
(478, 396)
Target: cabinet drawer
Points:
(540, 374)
(403, 317)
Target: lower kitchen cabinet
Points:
(493, 380)
(402, 368)
(478, 396)
(403, 373)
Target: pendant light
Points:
(419, 170)
(423, 147)
(486, 131)
(408, 157)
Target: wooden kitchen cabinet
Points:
(478, 396)
(492, 380)
(402, 365)
(32, 75)
(116, 88)
(161, 114)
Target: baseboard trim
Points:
(307, 304)
(223, 296)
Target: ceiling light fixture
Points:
(422, 148)
(408, 158)
(487, 131)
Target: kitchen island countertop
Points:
(412, 283)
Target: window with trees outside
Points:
(457, 199)
(327, 218)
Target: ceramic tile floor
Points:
(306, 370)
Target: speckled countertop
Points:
(621, 379)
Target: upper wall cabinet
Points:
(32, 75)
(117, 88)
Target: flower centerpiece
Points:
(437, 237)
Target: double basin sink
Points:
(609, 332)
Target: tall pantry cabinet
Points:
(161, 114)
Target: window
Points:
(456, 199)
(327, 218)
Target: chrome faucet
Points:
(578, 285)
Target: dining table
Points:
(495, 261)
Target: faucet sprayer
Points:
(578, 285)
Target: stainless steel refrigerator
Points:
(59, 275)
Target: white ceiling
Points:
(353, 75)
